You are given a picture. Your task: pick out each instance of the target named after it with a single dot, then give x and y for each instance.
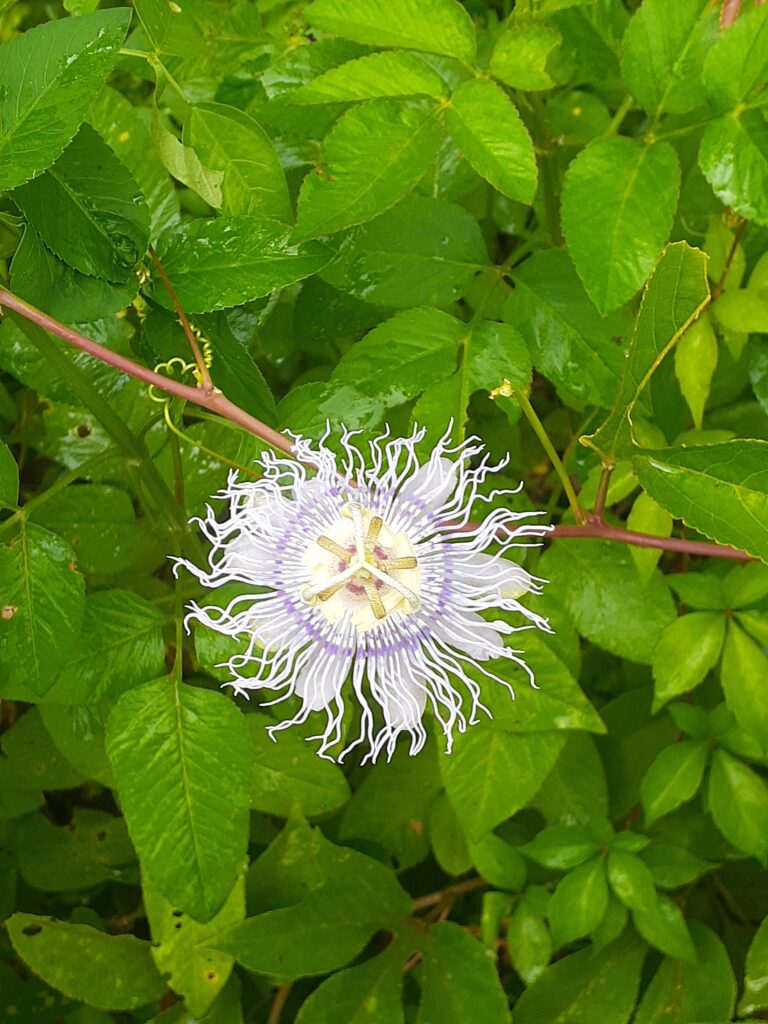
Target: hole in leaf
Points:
(31, 929)
(101, 835)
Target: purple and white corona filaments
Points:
(362, 578)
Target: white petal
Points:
(469, 632)
(320, 681)
(495, 576)
(432, 484)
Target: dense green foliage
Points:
(377, 212)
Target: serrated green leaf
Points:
(648, 517)
(369, 993)
(78, 733)
(619, 198)
(687, 650)
(737, 65)
(732, 159)
(31, 759)
(371, 77)
(183, 782)
(695, 361)
(569, 341)
(738, 802)
(288, 772)
(586, 986)
(487, 129)
(745, 585)
(88, 209)
(673, 298)
(744, 678)
(435, 26)
(110, 972)
(179, 947)
(579, 902)
(43, 600)
(45, 281)
(582, 570)
(224, 262)
(49, 76)
(521, 54)
(459, 981)
(421, 252)
(663, 53)
(372, 158)
(9, 477)
(229, 141)
(673, 778)
(719, 489)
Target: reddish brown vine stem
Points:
(216, 402)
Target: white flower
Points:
(366, 579)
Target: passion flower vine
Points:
(363, 578)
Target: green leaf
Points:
(371, 77)
(682, 992)
(744, 677)
(562, 847)
(43, 601)
(328, 928)
(111, 972)
(121, 647)
(124, 128)
(732, 159)
(742, 310)
(372, 158)
(672, 866)
(288, 771)
(579, 902)
(648, 517)
(422, 252)
(673, 778)
(663, 53)
(91, 849)
(9, 477)
(675, 295)
(719, 489)
(459, 981)
(576, 789)
(399, 359)
(32, 761)
(487, 129)
(695, 361)
(185, 165)
(521, 54)
(619, 198)
(78, 731)
(447, 839)
(663, 926)
(88, 209)
(738, 802)
(434, 26)
(491, 774)
(687, 650)
(499, 863)
(369, 993)
(50, 74)
(737, 65)
(228, 140)
(45, 281)
(224, 262)
(569, 341)
(582, 570)
(755, 996)
(183, 783)
(529, 943)
(100, 524)
(631, 880)
(745, 585)
(388, 810)
(179, 947)
(586, 986)
(698, 590)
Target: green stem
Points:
(618, 118)
(549, 174)
(554, 458)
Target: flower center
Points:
(360, 567)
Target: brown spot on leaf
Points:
(8, 612)
(83, 430)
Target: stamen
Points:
(374, 529)
(377, 605)
(388, 564)
(335, 549)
